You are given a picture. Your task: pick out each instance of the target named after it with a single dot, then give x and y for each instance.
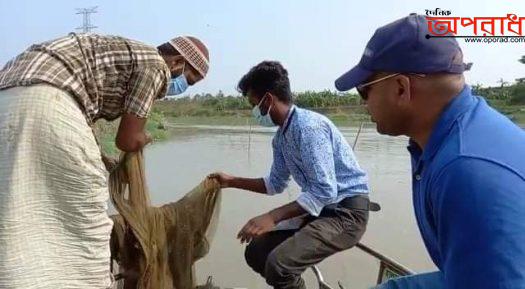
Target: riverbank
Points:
(163, 116)
(346, 116)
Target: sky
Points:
(315, 40)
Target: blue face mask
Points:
(263, 120)
(177, 85)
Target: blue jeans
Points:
(433, 280)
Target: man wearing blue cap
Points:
(468, 160)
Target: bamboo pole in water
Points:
(357, 136)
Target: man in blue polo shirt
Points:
(468, 160)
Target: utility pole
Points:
(86, 21)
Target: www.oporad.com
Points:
(495, 40)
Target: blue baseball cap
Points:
(404, 46)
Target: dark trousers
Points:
(282, 256)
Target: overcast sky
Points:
(316, 40)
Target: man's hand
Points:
(109, 162)
(130, 135)
(223, 179)
(255, 227)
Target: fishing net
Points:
(156, 247)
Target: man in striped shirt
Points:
(54, 230)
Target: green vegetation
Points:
(508, 99)
(221, 105)
(518, 94)
(342, 108)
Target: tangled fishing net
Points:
(156, 247)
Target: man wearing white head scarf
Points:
(54, 229)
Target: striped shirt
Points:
(107, 75)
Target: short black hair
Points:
(167, 49)
(267, 76)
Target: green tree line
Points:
(505, 94)
(309, 99)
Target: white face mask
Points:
(263, 120)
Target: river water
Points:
(176, 166)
